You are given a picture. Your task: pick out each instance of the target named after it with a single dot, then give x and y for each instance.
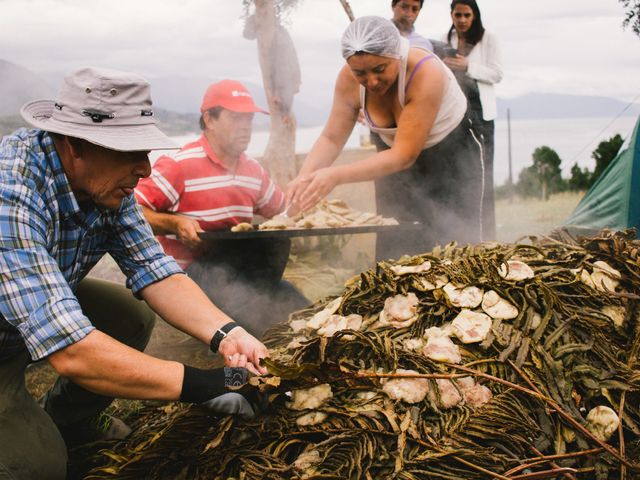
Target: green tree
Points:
(580, 178)
(528, 182)
(546, 166)
(632, 16)
(604, 154)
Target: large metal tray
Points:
(306, 232)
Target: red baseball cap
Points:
(229, 94)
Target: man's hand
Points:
(241, 349)
(187, 231)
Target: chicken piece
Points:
(602, 421)
(413, 344)
(616, 313)
(298, 325)
(409, 390)
(307, 460)
(585, 278)
(463, 297)
(279, 222)
(450, 396)
(242, 227)
(310, 398)
(311, 418)
(439, 346)
(321, 317)
(433, 284)
(399, 311)
(535, 321)
(335, 323)
(365, 218)
(474, 394)
(515, 270)
(389, 221)
(471, 327)
(606, 268)
(407, 269)
(366, 395)
(296, 342)
(604, 277)
(497, 307)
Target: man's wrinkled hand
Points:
(187, 231)
(241, 349)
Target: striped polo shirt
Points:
(194, 182)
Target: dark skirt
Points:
(443, 191)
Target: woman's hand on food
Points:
(292, 194)
(241, 349)
(457, 63)
(321, 183)
(187, 231)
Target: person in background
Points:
(66, 200)
(211, 184)
(477, 65)
(405, 14)
(430, 168)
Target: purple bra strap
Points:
(413, 72)
(366, 114)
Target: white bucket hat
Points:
(105, 107)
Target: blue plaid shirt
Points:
(48, 244)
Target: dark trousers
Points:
(244, 279)
(442, 190)
(31, 445)
(486, 132)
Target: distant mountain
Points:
(549, 105)
(184, 95)
(177, 101)
(19, 85)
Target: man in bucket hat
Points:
(211, 184)
(66, 200)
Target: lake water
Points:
(574, 139)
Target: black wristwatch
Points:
(222, 332)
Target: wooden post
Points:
(279, 156)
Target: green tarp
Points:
(614, 200)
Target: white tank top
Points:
(450, 114)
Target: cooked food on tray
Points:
(327, 214)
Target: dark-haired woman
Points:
(477, 67)
(430, 168)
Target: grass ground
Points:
(518, 217)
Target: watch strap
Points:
(219, 335)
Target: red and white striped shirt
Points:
(193, 182)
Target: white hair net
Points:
(374, 35)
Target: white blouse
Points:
(485, 66)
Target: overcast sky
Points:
(559, 46)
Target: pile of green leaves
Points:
(543, 379)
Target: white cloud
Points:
(572, 46)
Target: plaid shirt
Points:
(48, 244)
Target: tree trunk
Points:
(279, 156)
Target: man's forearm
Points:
(161, 223)
(105, 366)
(181, 303)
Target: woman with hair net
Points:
(430, 168)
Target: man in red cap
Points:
(210, 184)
